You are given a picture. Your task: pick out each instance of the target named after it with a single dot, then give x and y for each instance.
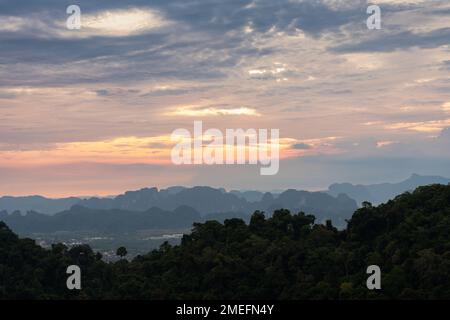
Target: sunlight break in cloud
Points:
(381, 144)
(12, 24)
(446, 107)
(192, 111)
(433, 126)
(109, 23)
(154, 150)
(120, 150)
(121, 22)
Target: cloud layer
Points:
(347, 99)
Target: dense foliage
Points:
(284, 257)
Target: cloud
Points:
(308, 67)
(399, 40)
(446, 64)
(301, 146)
(12, 24)
(278, 72)
(433, 126)
(120, 150)
(120, 23)
(446, 106)
(102, 92)
(194, 111)
(105, 23)
(170, 39)
(381, 144)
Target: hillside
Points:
(282, 257)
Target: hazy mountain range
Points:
(179, 207)
(206, 199)
(150, 208)
(37, 203)
(382, 192)
(80, 218)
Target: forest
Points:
(285, 257)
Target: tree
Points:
(367, 204)
(122, 252)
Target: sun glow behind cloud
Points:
(194, 111)
(446, 107)
(123, 150)
(381, 144)
(146, 150)
(107, 23)
(434, 126)
(122, 22)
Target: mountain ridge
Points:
(334, 203)
(382, 192)
(207, 201)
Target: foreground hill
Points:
(283, 257)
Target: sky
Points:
(91, 111)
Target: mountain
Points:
(203, 199)
(37, 203)
(79, 218)
(323, 206)
(207, 200)
(380, 193)
(284, 257)
(250, 196)
(127, 218)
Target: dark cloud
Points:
(205, 38)
(399, 40)
(213, 27)
(7, 95)
(102, 92)
(301, 146)
(446, 65)
(441, 11)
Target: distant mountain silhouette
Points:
(37, 203)
(250, 196)
(207, 200)
(79, 218)
(380, 193)
(179, 207)
(176, 207)
(203, 199)
(322, 205)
